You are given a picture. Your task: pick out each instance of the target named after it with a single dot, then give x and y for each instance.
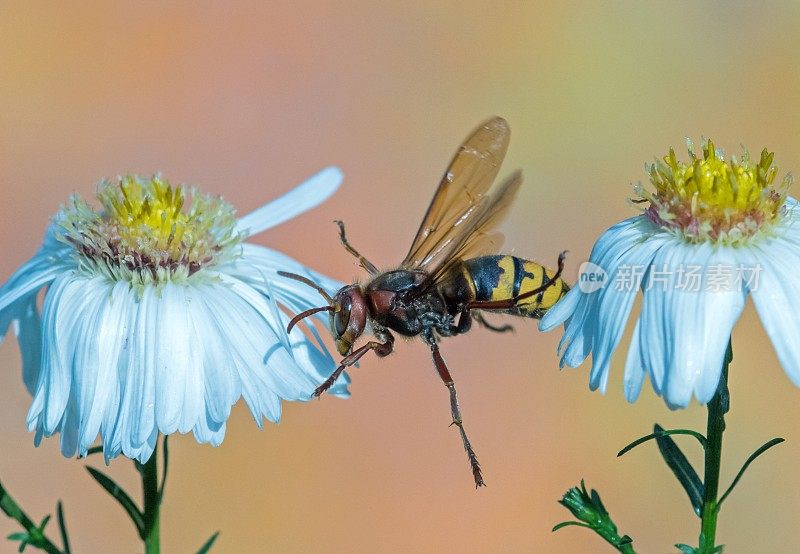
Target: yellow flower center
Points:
(147, 231)
(715, 200)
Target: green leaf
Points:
(685, 548)
(569, 524)
(766, 446)
(62, 527)
(44, 522)
(681, 468)
(19, 536)
(94, 450)
(120, 496)
(637, 442)
(209, 543)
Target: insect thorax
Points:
(396, 302)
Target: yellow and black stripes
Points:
(493, 278)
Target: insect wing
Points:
(480, 237)
(461, 202)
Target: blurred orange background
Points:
(247, 99)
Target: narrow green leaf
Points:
(120, 496)
(164, 475)
(19, 536)
(44, 522)
(685, 548)
(681, 468)
(62, 527)
(208, 544)
(33, 535)
(22, 546)
(651, 436)
(568, 524)
(766, 446)
(94, 450)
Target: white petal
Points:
(622, 232)
(179, 377)
(614, 305)
(290, 378)
(266, 370)
(209, 431)
(257, 261)
(63, 306)
(687, 331)
(68, 427)
(29, 336)
(99, 397)
(303, 197)
(32, 276)
(85, 366)
(23, 317)
(634, 369)
(600, 323)
(562, 310)
(777, 300)
(295, 297)
(221, 380)
(136, 420)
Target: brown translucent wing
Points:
(479, 237)
(461, 200)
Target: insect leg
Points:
(479, 317)
(511, 302)
(441, 367)
(365, 263)
(380, 348)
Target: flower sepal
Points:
(589, 509)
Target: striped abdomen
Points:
(504, 277)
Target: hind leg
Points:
(480, 318)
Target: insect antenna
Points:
(302, 315)
(309, 282)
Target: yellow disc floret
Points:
(148, 231)
(714, 200)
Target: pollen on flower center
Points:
(714, 200)
(148, 232)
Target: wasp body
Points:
(450, 276)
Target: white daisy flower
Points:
(157, 317)
(714, 232)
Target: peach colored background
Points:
(247, 99)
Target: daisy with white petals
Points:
(158, 317)
(713, 232)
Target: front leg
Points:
(381, 349)
(365, 263)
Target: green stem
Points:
(717, 409)
(12, 510)
(152, 504)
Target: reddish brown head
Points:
(348, 312)
(348, 317)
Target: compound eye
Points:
(342, 317)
